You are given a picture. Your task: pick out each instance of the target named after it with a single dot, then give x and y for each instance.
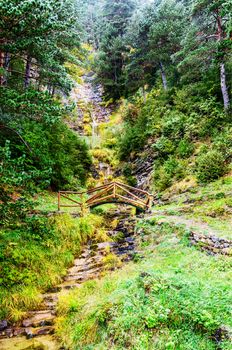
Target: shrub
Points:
(132, 140)
(223, 143)
(174, 125)
(162, 179)
(172, 169)
(127, 172)
(164, 146)
(210, 166)
(185, 148)
(57, 155)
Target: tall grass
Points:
(36, 258)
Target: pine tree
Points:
(111, 59)
(37, 34)
(207, 43)
(154, 37)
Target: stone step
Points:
(29, 332)
(79, 262)
(50, 305)
(40, 318)
(70, 286)
(80, 277)
(36, 332)
(88, 267)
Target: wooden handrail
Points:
(133, 188)
(110, 187)
(70, 199)
(131, 194)
(109, 192)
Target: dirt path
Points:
(190, 224)
(200, 234)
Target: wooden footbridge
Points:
(113, 192)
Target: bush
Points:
(164, 175)
(174, 125)
(57, 156)
(127, 172)
(185, 148)
(210, 166)
(164, 146)
(132, 140)
(223, 143)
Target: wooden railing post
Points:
(114, 190)
(150, 201)
(59, 201)
(82, 205)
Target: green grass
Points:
(204, 193)
(174, 298)
(47, 201)
(210, 204)
(35, 256)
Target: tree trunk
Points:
(27, 72)
(53, 90)
(6, 66)
(224, 88)
(163, 76)
(1, 62)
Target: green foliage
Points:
(110, 58)
(185, 148)
(164, 146)
(49, 247)
(127, 172)
(132, 140)
(17, 183)
(170, 171)
(174, 125)
(175, 298)
(223, 142)
(31, 104)
(39, 35)
(166, 43)
(56, 155)
(210, 166)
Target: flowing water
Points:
(36, 331)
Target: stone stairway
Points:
(90, 265)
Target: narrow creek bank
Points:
(95, 260)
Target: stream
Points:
(36, 330)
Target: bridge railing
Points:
(69, 197)
(111, 192)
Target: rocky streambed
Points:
(36, 330)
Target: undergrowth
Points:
(49, 247)
(185, 134)
(174, 298)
